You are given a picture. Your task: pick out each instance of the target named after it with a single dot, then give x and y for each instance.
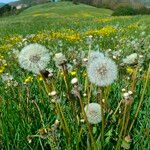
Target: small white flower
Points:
(34, 57)
(102, 71)
(93, 113)
(59, 59)
(74, 81)
(130, 59)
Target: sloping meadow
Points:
(75, 83)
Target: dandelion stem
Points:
(42, 121)
(88, 125)
(117, 108)
(123, 122)
(103, 116)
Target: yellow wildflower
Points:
(40, 78)
(73, 73)
(28, 80)
(2, 68)
(130, 70)
(84, 74)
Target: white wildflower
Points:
(130, 59)
(93, 113)
(102, 71)
(34, 57)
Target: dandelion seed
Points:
(93, 113)
(34, 57)
(102, 71)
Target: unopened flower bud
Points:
(126, 95)
(130, 92)
(74, 81)
(53, 93)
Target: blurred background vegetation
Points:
(120, 7)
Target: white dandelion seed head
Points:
(94, 55)
(93, 113)
(130, 59)
(102, 71)
(59, 59)
(34, 57)
(6, 77)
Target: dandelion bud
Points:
(126, 95)
(57, 122)
(85, 60)
(82, 120)
(130, 92)
(84, 94)
(74, 81)
(123, 90)
(53, 93)
(114, 57)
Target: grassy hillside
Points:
(47, 15)
(33, 116)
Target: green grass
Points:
(26, 110)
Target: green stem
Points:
(103, 117)
(123, 122)
(88, 125)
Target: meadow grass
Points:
(33, 118)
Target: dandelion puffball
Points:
(93, 113)
(102, 71)
(34, 57)
(131, 59)
(59, 59)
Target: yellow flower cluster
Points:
(68, 35)
(14, 39)
(6, 47)
(3, 64)
(106, 31)
(28, 80)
